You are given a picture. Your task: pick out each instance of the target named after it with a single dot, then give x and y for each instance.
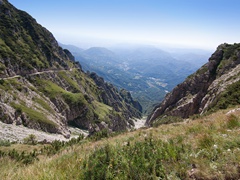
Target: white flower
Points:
(224, 135)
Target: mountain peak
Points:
(99, 51)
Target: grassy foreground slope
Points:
(206, 148)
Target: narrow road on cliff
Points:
(40, 72)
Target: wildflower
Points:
(224, 135)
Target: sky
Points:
(185, 23)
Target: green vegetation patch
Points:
(52, 90)
(44, 104)
(2, 68)
(230, 97)
(5, 143)
(230, 49)
(49, 88)
(102, 110)
(33, 114)
(147, 159)
(233, 122)
(76, 99)
(230, 55)
(64, 75)
(10, 84)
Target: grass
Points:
(233, 122)
(10, 84)
(49, 88)
(52, 90)
(229, 98)
(206, 148)
(166, 120)
(102, 110)
(33, 114)
(75, 99)
(64, 75)
(44, 104)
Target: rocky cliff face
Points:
(207, 89)
(120, 101)
(42, 87)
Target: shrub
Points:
(99, 135)
(147, 159)
(1, 81)
(31, 139)
(22, 157)
(230, 97)
(57, 145)
(5, 143)
(19, 110)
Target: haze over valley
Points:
(146, 71)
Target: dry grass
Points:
(215, 151)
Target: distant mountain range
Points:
(147, 72)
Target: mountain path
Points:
(39, 72)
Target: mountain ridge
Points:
(203, 90)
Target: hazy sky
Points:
(196, 23)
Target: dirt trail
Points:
(40, 72)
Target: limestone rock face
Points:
(119, 100)
(198, 93)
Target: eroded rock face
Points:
(120, 101)
(197, 93)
